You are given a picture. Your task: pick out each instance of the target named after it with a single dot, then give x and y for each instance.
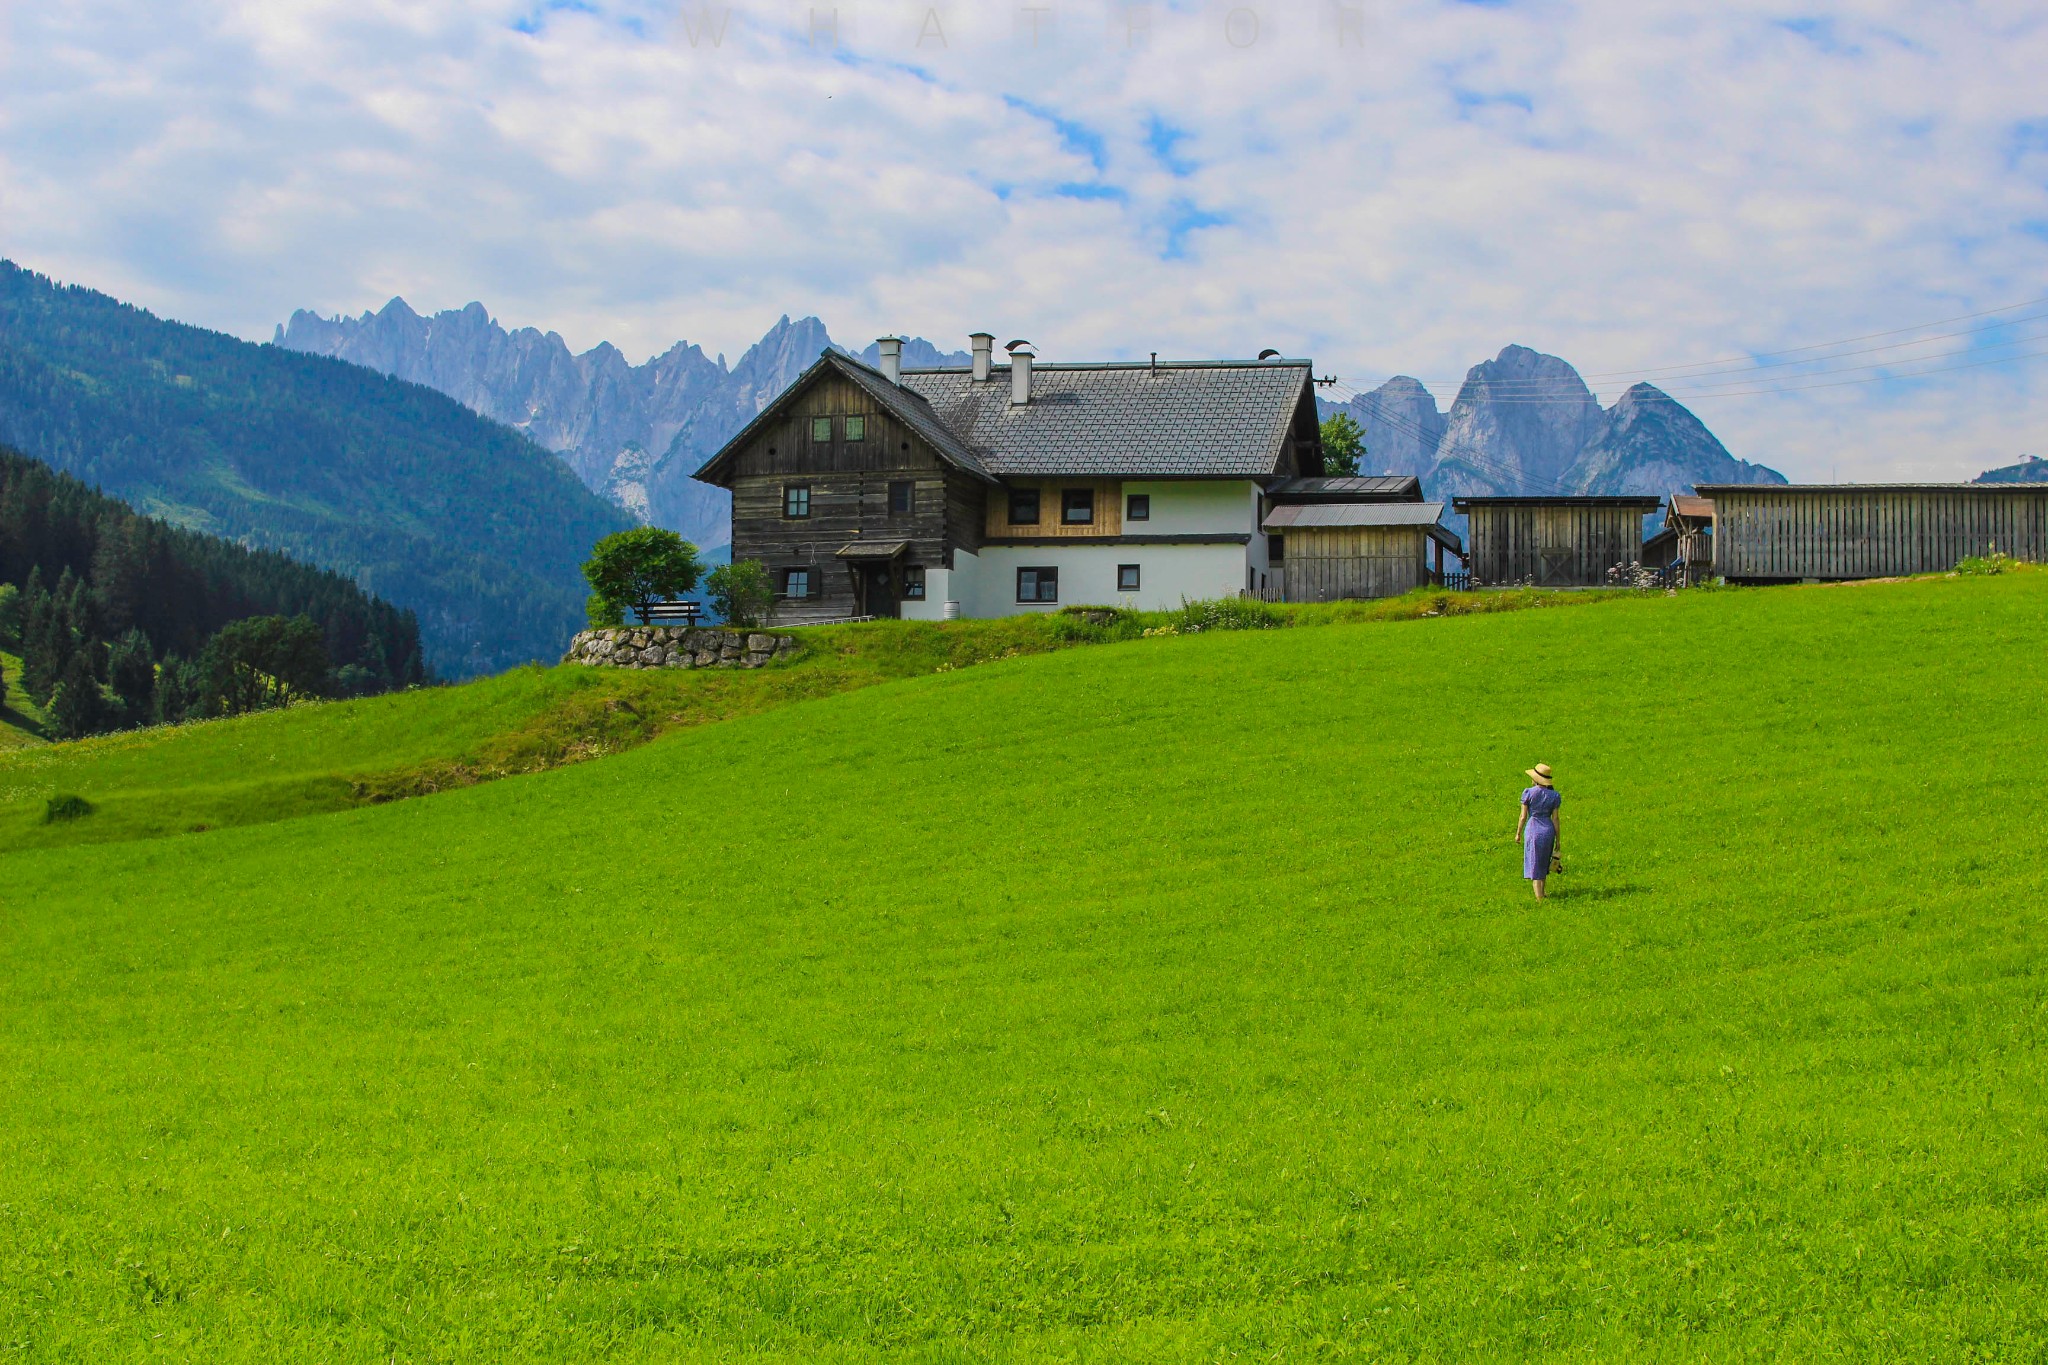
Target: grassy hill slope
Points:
(1161, 1000)
(414, 496)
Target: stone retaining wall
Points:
(677, 647)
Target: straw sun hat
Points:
(1541, 773)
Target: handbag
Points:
(1556, 863)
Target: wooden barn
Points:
(1684, 548)
(1554, 542)
(1799, 532)
(1325, 552)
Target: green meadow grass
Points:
(1170, 1000)
(330, 756)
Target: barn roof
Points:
(1719, 490)
(1351, 488)
(1305, 515)
(1172, 420)
(1643, 503)
(1688, 505)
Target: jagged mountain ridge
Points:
(1525, 422)
(633, 433)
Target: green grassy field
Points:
(333, 756)
(1173, 1000)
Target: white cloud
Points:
(1626, 185)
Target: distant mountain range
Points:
(1525, 423)
(634, 433)
(411, 495)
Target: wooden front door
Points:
(878, 590)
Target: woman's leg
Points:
(1538, 884)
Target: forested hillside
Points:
(405, 491)
(123, 620)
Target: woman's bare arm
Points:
(1521, 820)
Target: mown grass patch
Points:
(21, 720)
(1178, 1000)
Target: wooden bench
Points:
(672, 614)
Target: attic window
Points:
(821, 428)
(856, 428)
(1023, 507)
(1138, 507)
(1077, 506)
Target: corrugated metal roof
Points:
(1350, 488)
(1218, 419)
(1300, 516)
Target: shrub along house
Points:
(987, 489)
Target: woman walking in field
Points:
(1536, 827)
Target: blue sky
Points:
(1388, 187)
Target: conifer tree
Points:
(77, 708)
(131, 672)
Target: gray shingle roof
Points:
(1178, 420)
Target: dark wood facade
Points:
(850, 509)
(1561, 542)
(1767, 533)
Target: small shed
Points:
(1329, 551)
(1781, 533)
(1554, 542)
(1684, 548)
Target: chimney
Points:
(1020, 376)
(984, 343)
(892, 358)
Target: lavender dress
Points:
(1539, 836)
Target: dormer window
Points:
(821, 428)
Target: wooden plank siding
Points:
(1330, 563)
(1109, 510)
(1554, 545)
(1842, 533)
(849, 483)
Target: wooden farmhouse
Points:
(1329, 539)
(1553, 542)
(1766, 533)
(986, 489)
